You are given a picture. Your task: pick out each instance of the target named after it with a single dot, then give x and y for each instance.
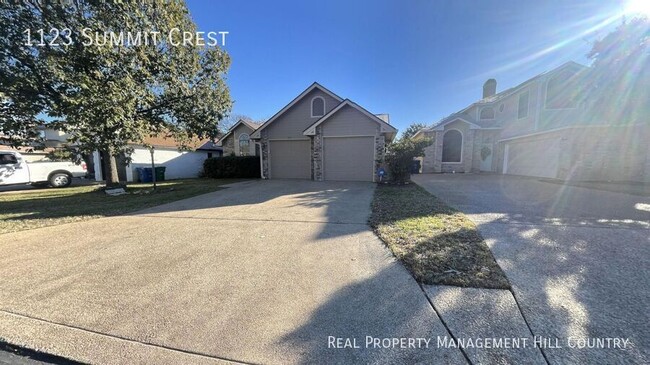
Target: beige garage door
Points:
(538, 158)
(349, 158)
(290, 159)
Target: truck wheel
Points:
(60, 180)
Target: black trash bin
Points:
(160, 173)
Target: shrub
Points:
(399, 158)
(232, 167)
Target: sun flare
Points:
(638, 7)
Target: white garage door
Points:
(290, 159)
(349, 158)
(538, 158)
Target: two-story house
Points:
(542, 127)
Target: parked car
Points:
(15, 170)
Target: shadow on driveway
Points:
(577, 258)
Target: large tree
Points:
(619, 81)
(107, 96)
(412, 130)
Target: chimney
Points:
(383, 117)
(489, 88)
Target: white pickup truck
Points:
(15, 170)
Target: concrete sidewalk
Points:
(261, 272)
(483, 315)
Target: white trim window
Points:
(244, 144)
(452, 146)
(317, 107)
(524, 101)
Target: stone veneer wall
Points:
(437, 162)
(229, 146)
(468, 153)
(264, 147)
(317, 155)
(380, 153)
(429, 159)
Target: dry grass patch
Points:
(437, 243)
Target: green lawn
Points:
(436, 243)
(39, 208)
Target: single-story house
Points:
(179, 164)
(542, 127)
(237, 140)
(211, 149)
(321, 136)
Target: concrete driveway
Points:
(578, 258)
(260, 272)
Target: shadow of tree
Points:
(574, 282)
(576, 258)
(387, 305)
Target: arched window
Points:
(487, 113)
(244, 144)
(452, 146)
(317, 107)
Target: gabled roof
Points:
(210, 146)
(454, 117)
(249, 124)
(498, 97)
(505, 93)
(313, 86)
(384, 127)
(420, 131)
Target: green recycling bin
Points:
(160, 173)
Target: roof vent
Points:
(489, 88)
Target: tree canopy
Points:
(619, 82)
(107, 96)
(412, 129)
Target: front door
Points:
(486, 153)
(13, 170)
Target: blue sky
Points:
(416, 60)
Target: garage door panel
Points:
(534, 158)
(349, 158)
(290, 159)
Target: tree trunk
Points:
(112, 179)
